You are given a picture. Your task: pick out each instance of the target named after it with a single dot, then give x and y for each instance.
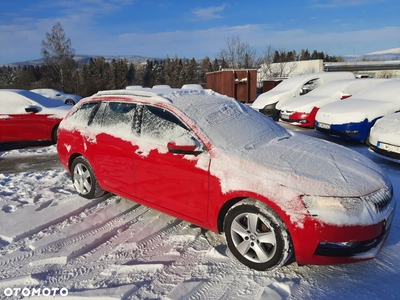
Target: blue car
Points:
(352, 119)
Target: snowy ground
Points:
(113, 248)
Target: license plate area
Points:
(388, 147)
(324, 126)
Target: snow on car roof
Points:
(149, 94)
(30, 96)
(291, 82)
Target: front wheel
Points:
(256, 236)
(84, 179)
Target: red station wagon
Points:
(210, 160)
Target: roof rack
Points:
(156, 94)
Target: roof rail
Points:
(156, 94)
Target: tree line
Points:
(60, 71)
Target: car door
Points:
(176, 182)
(112, 149)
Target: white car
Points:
(270, 103)
(302, 111)
(70, 99)
(353, 119)
(384, 137)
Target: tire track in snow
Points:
(72, 275)
(55, 247)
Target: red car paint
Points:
(302, 119)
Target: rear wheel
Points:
(84, 179)
(256, 236)
(54, 134)
(70, 102)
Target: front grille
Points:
(379, 199)
(326, 249)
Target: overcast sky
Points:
(190, 28)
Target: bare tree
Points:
(239, 54)
(58, 56)
(277, 63)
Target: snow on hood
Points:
(387, 130)
(306, 164)
(305, 104)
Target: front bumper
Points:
(350, 131)
(301, 119)
(395, 156)
(319, 243)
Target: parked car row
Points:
(302, 111)
(344, 108)
(352, 119)
(270, 103)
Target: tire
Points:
(54, 135)
(70, 102)
(256, 236)
(84, 179)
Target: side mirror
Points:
(184, 145)
(31, 109)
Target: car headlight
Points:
(323, 206)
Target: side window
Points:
(118, 118)
(309, 86)
(160, 125)
(84, 114)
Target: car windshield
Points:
(230, 124)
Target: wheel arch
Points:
(71, 160)
(266, 202)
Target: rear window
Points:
(84, 114)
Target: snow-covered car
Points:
(212, 161)
(192, 86)
(70, 99)
(270, 102)
(384, 137)
(27, 116)
(353, 119)
(302, 111)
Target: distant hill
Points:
(385, 55)
(79, 58)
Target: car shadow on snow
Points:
(23, 145)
